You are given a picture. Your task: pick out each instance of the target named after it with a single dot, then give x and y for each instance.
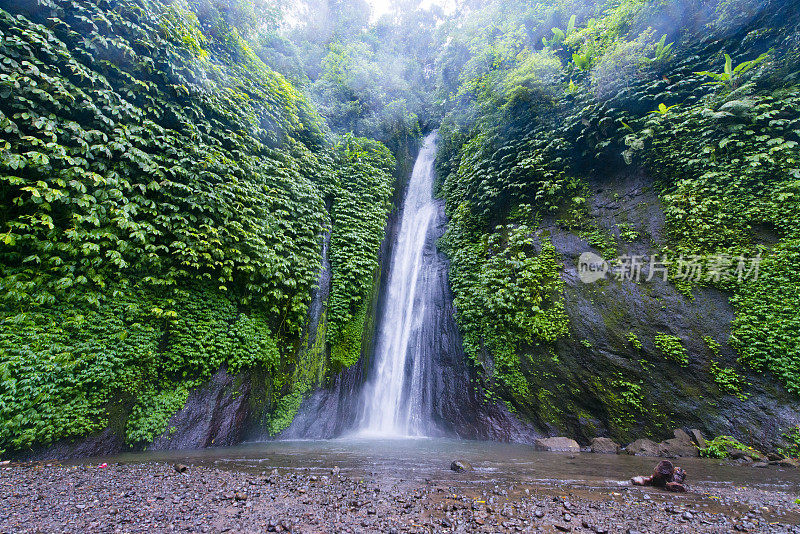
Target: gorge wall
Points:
(190, 256)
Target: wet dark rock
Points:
(460, 465)
(604, 446)
(214, 414)
(775, 456)
(741, 455)
(749, 455)
(786, 462)
(761, 465)
(557, 444)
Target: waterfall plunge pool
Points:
(427, 460)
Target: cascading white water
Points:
(392, 397)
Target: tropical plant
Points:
(730, 76)
(560, 35)
(663, 109)
(672, 347)
(583, 60)
(662, 51)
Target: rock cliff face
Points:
(611, 369)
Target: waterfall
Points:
(419, 382)
(396, 396)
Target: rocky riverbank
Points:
(158, 497)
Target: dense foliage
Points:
(164, 200)
(169, 171)
(358, 211)
(552, 98)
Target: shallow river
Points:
(496, 463)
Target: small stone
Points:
(563, 528)
(539, 514)
(335, 471)
(180, 468)
(240, 496)
(687, 516)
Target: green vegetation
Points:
(530, 126)
(728, 380)
(360, 202)
(164, 201)
(791, 437)
(170, 170)
(672, 347)
(508, 295)
(722, 446)
(764, 331)
(730, 77)
(634, 340)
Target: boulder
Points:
(750, 455)
(786, 462)
(681, 446)
(558, 444)
(604, 446)
(698, 438)
(643, 447)
(460, 465)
